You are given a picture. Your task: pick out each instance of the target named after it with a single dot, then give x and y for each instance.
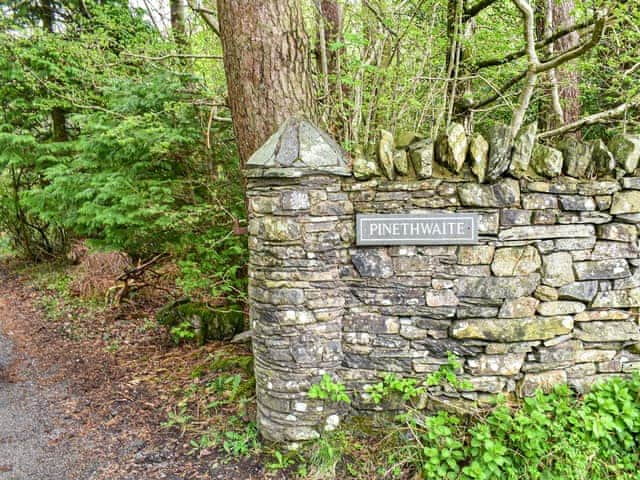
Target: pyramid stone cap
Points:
(298, 148)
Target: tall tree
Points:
(58, 115)
(178, 27)
(560, 103)
(267, 65)
(568, 78)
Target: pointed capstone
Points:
(298, 148)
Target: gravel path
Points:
(35, 437)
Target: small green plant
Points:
(281, 461)
(184, 331)
(204, 442)
(178, 417)
(410, 389)
(447, 374)
(241, 444)
(328, 389)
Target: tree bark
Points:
(178, 28)
(568, 78)
(58, 116)
(563, 89)
(267, 65)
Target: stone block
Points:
(441, 298)
(497, 287)
(550, 309)
(503, 365)
(543, 232)
(451, 147)
(515, 261)
(602, 269)
(522, 150)
(372, 263)
(618, 299)
(581, 291)
(544, 381)
(505, 193)
(479, 153)
(518, 308)
(577, 203)
(512, 330)
(557, 269)
(626, 201)
(546, 161)
(618, 232)
(512, 216)
(610, 331)
(475, 254)
(539, 201)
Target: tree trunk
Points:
(332, 14)
(177, 22)
(561, 103)
(568, 77)
(58, 116)
(267, 65)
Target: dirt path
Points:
(37, 439)
(73, 408)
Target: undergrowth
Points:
(548, 436)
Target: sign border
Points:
(362, 217)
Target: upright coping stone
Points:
(298, 232)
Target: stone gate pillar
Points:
(300, 225)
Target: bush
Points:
(554, 436)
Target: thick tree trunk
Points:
(177, 22)
(267, 64)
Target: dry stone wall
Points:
(549, 294)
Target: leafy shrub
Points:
(554, 436)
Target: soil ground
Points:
(72, 407)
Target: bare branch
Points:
(495, 62)
(475, 9)
(379, 18)
(209, 17)
(592, 119)
(499, 93)
(168, 56)
(531, 76)
(574, 52)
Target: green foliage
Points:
(183, 331)
(554, 436)
(328, 389)
(281, 461)
(241, 444)
(410, 389)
